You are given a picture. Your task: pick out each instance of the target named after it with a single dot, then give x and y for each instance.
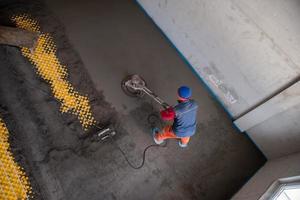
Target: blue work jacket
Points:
(185, 118)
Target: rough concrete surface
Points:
(113, 39)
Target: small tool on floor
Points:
(106, 133)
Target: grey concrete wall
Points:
(280, 138)
(246, 52)
(272, 171)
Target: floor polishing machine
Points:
(136, 86)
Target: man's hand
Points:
(168, 114)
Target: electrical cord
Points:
(152, 119)
(144, 153)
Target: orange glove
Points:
(168, 114)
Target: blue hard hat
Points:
(185, 92)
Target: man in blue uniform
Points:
(184, 115)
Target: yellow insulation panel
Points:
(14, 184)
(48, 66)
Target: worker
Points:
(184, 115)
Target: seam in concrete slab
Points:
(277, 104)
(294, 65)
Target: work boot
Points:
(182, 145)
(154, 132)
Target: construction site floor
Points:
(100, 43)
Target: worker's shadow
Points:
(154, 121)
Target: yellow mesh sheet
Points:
(44, 58)
(14, 184)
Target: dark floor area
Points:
(100, 42)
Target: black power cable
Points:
(152, 119)
(144, 153)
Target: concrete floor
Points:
(114, 39)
